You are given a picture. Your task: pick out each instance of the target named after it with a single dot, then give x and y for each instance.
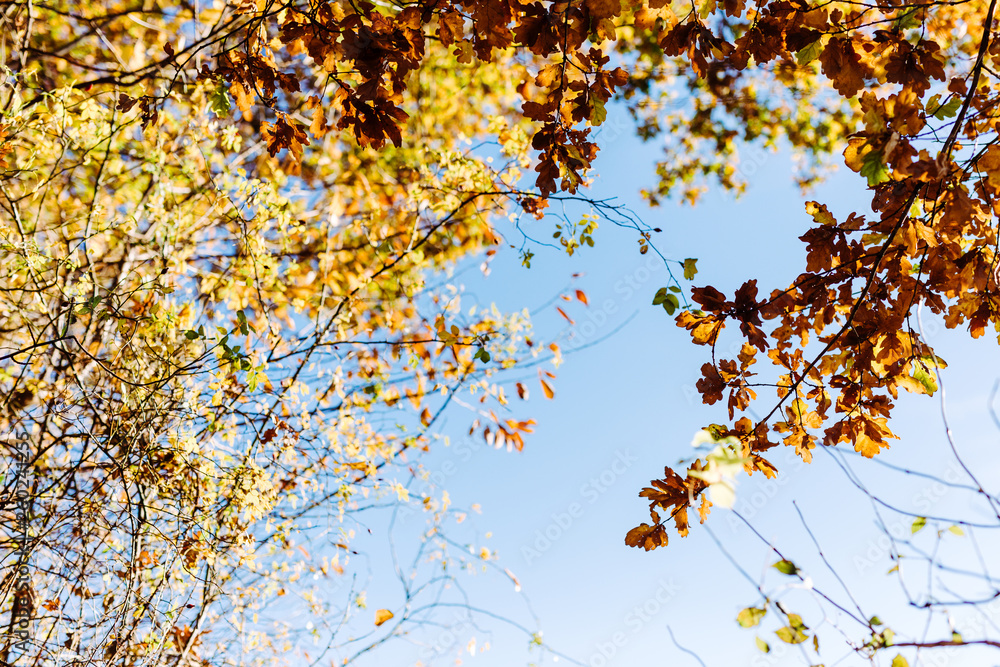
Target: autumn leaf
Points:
(842, 64)
(646, 536)
(603, 9)
(125, 103)
(866, 446)
(450, 27)
(794, 632)
(710, 298)
(381, 616)
(244, 99)
(750, 617)
(547, 389)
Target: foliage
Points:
(929, 244)
(907, 92)
(222, 332)
(227, 231)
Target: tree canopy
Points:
(229, 232)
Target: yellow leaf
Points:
(381, 616)
(867, 447)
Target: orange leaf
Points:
(381, 616)
(582, 297)
(563, 313)
(243, 97)
(646, 536)
(547, 388)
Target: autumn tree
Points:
(223, 226)
(228, 327)
(906, 92)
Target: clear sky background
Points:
(625, 406)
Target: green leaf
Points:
(933, 103)
(750, 617)
(690, 268)
(786, 567)
(949, 109)
(809, 53)
(932, 361)
(670, 304)
(926, 377)
(956, 637)
(899, 661)
(874, 169)
(875, 620)
(192, 335)
(918, 525)
(907, 20)
(218, 101)
(90, 304)
(241, 318)
(597, 111)
(762, 645)
(667, 300)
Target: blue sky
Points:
(625, 406)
